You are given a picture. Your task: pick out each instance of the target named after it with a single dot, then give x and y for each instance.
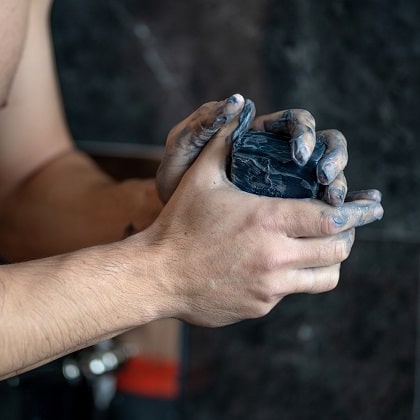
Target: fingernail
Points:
(340, 220)
(326, 174)
(234, 99)
(336, 196)
(233, 106)
(300, 151)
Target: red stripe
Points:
(150, 378)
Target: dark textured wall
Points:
(131, 69)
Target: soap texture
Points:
(262, 164)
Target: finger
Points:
(298, 124)
(323, 251)
(373, 195)
(220, 147)
(335, 192)
(335, 157)
(210, 165)
(314, 218)
(195, 131)
(245, 120)
(317, 280)
(187, 139)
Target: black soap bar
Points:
(262, 164)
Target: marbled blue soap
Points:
(262, 164)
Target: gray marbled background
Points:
(130, 70)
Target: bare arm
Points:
(214, 255)
(57, 305)
(13, 22)
(53, 198)
(32, 126)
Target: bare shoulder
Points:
(13, 25)
(42, 5)
(14, 20)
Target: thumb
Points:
(186, 140)
(212, 161)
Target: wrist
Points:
(148, 293)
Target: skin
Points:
(49, 191)
(187, 139)
(212, 256)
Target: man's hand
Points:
(186, 140)
(299, 125)
(226, 255)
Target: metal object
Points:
(94, 362)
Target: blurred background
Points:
(130, 70)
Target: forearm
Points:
(54, 306)
(70, 203)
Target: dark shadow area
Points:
(346, 354)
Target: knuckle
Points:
(202, 117)
(337, 138)
(289, 118)
(323, 280)
(319, 280)
(335, 251)
(332, 281)
(340, 180)
(271, 260)
(341, 251)
(204, 109)
(256, 218)
(260, 311)
(260, 298)
(305, 116)
(262, 219)
(333, 132)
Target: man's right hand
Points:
(223, 255)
